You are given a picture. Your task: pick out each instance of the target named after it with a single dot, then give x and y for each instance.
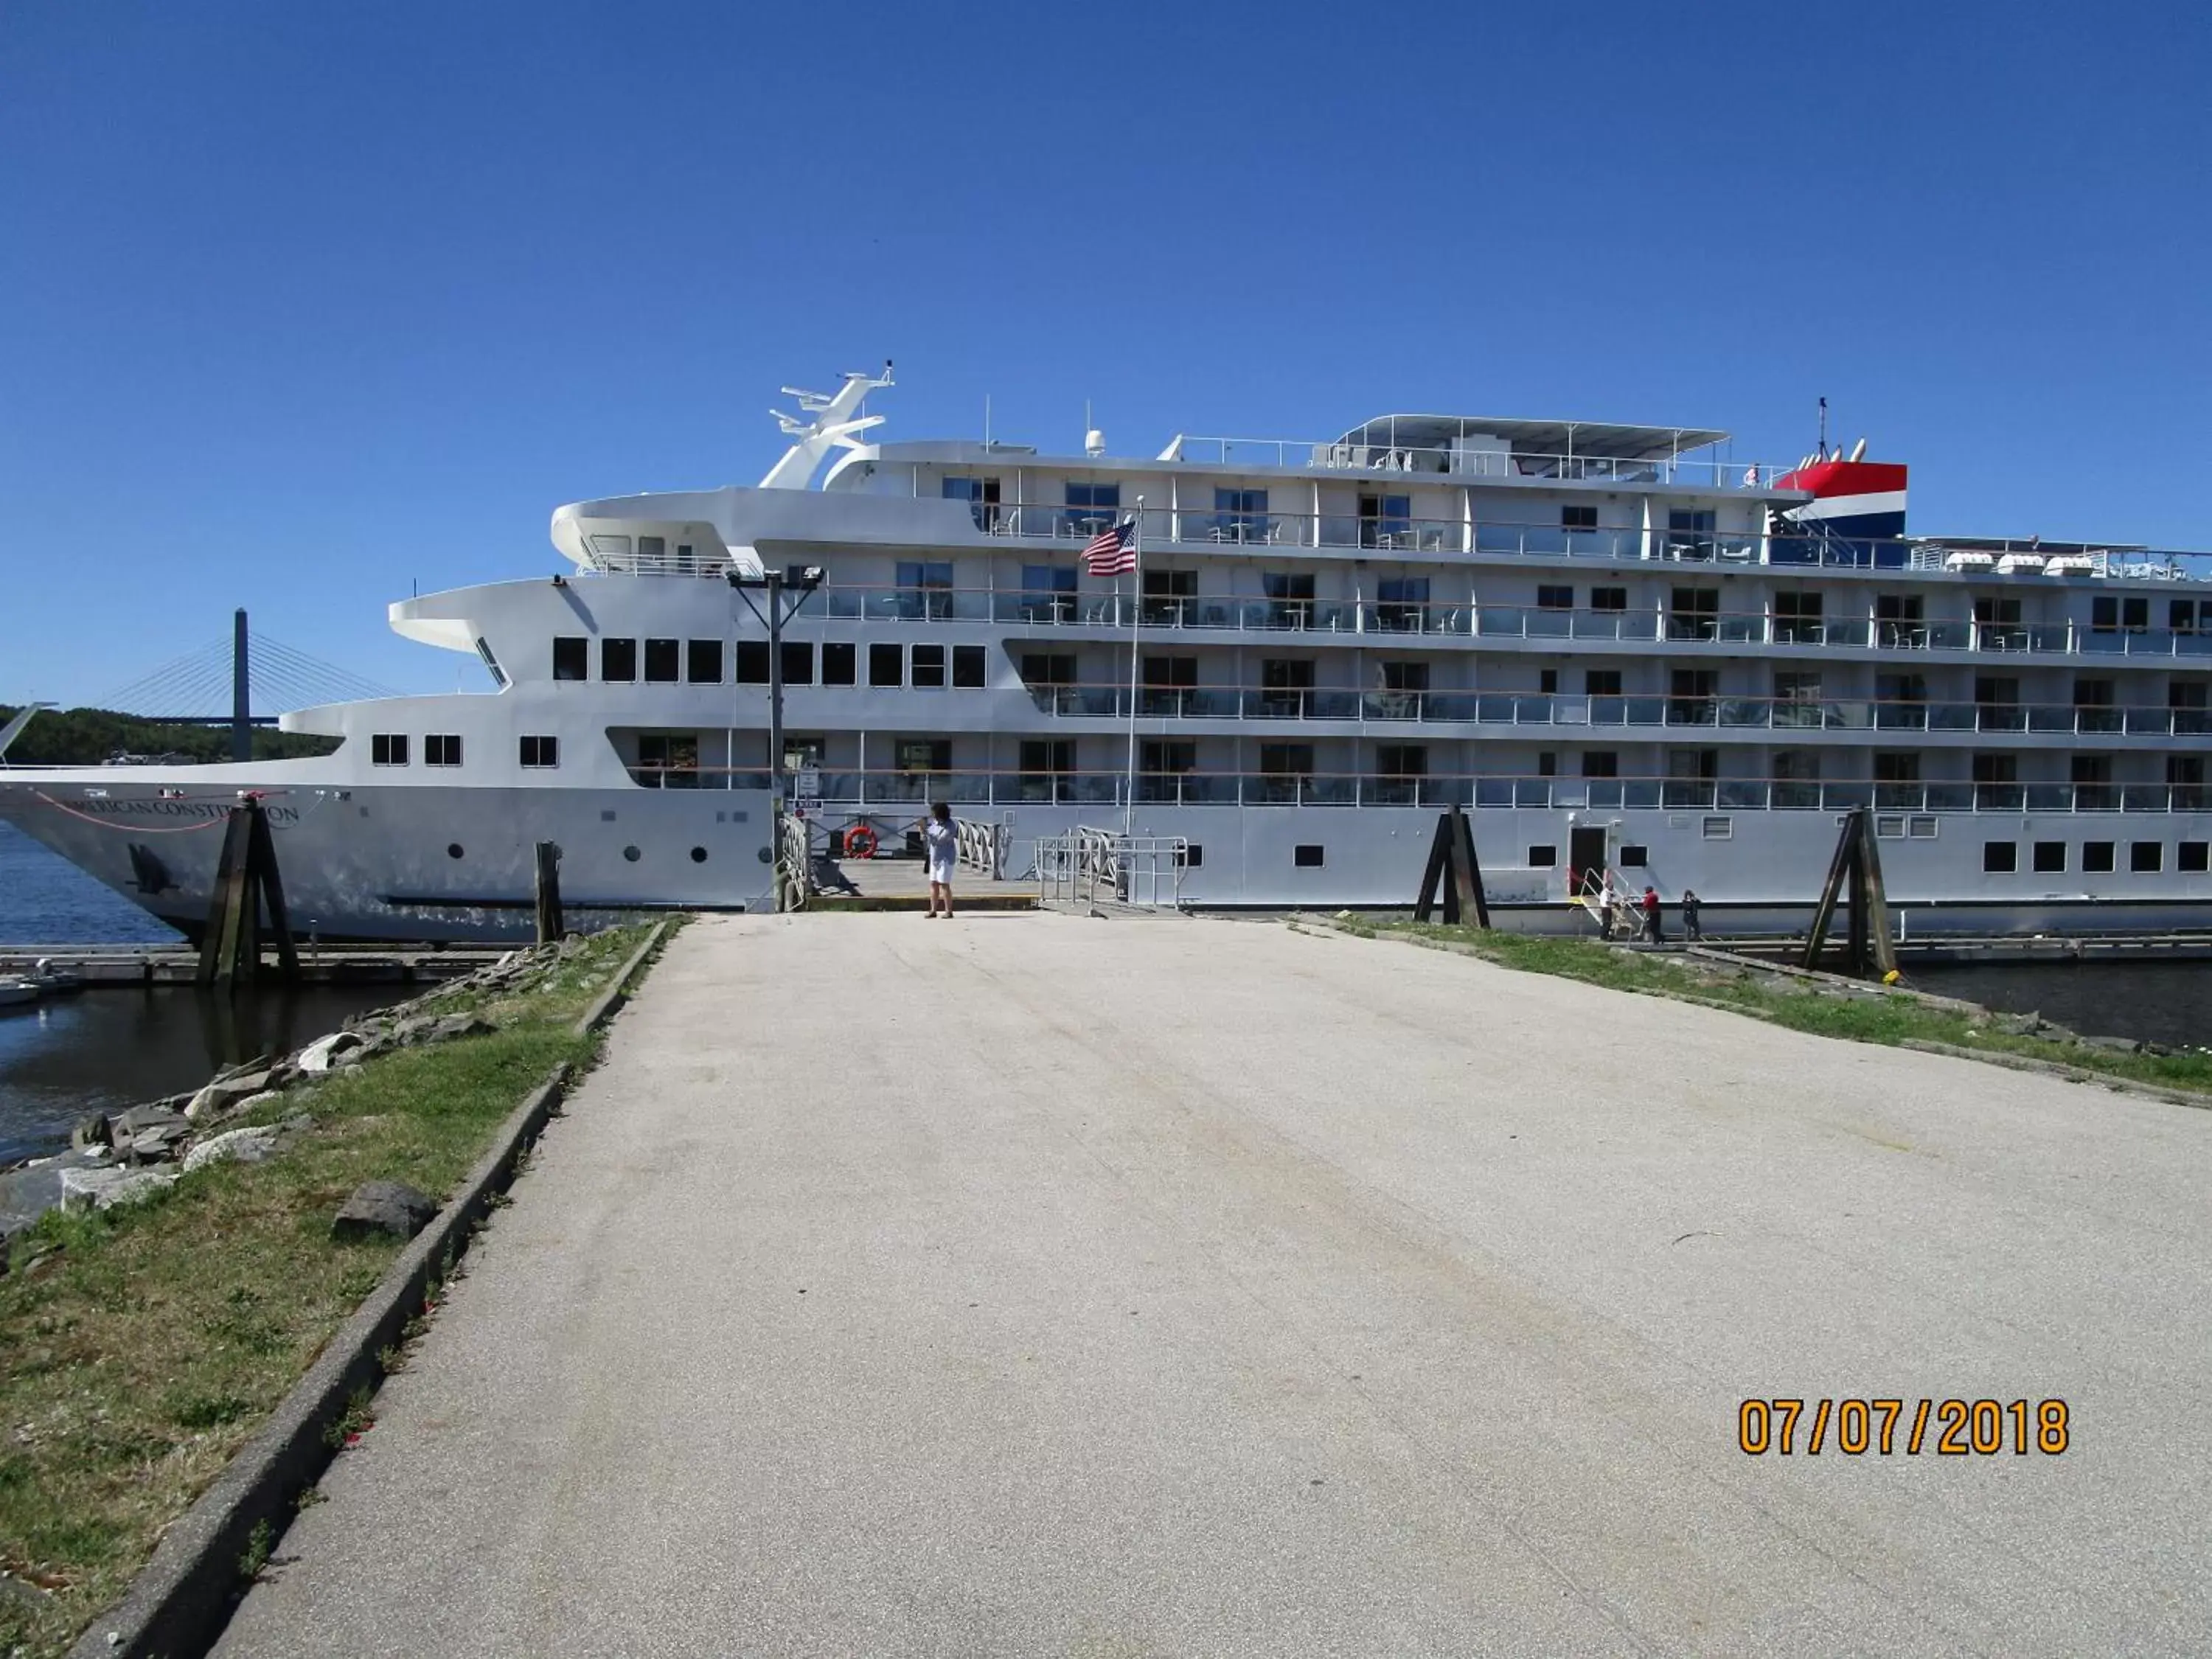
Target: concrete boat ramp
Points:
(1032, 1284)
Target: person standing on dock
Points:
(941, 846)
(1691, 931)
(1651, 916)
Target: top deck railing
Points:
(1415, 460)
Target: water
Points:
(2168, 1002)
(100, 1050)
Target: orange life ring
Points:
(859, 843)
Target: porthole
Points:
(698, 855)
(631, 853)
(453, 849)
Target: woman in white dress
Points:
(941, 846)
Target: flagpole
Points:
(1136, 615)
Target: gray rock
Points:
(216, 1099)
(28, 1193)
(104, 1189)
(383, 1207)
(324, 1053)
(239, 1146)
(298, 1124)
(2113, 1045)
(461, 1025)
(157, 1143)
(93, 1131)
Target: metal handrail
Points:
(1146, 871)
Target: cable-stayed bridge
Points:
(224, 681)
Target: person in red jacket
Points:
(1651, 915)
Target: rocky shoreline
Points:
(129, 1156)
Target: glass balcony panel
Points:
(1901, 797)
(1531, 791)
(1949, 635)
(1688, 793)
(1743, 794)
(1844, 797)
(1999, 797)
(1645, 711)
(1498, 538)
(1571, 711)
(1900, 716)
(2050, 796)
(1532, 711)
(1391, 792)
(1952, 717)
(1543, 539)
(1692, 711)
(1949, 797)
(1333, 705)
(1640, 794)
(2191, 721)
(1999, 717)
(2050, 718)
(2149, 722)
(1393, 705)
(1494, 707)
(1608, 711)
(2099, 719)
(2105, 642)
(2144, 798)
(1607, 793)
(1847, 631)
(1794, 797)
(1739, 631)
(1692, 625)
(1269, 790)
(1503, 620)
(1744, 711)
(1798, 716)
(1446, 705)
(1548, 624)
(1493, 792)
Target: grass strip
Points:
(1868, 1014)
(141, 1348)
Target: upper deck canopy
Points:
(1595, 440)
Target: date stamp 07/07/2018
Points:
(1886, 1428)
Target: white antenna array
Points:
(826, 420)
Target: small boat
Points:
(52, 982)
(14, 993)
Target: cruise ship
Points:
(1617, 647)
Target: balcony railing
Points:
(1095, 607)
(1795, 716)
(846, 793)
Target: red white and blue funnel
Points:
(1860, 500)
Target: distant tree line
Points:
(86, 737)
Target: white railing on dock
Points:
(1099, 866)
(983, 847)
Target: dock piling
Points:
(1453, 867)
(246, 880)
(550, 923)
(1855, 879)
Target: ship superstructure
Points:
(1619, 647)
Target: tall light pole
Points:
(797, 586)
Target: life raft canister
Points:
(859, 843)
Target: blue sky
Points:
(302, 305)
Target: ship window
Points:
(1601, 764)
(799, 662)
(1550, 597)
(1634, 857)
(1577, 518)
(1048, 592)
(2190, 856)
(2109, 613)
(886, 664)
(925, 755)
(1053, 668)
(1240, 515)
(929, 666)
(2050, 858)
(752, 662)
(540, 752)
(969, 665)
(662, 657)
(2096, 857)
(1543, 858)
(1717, 828)
(2182, 615)
(1308, 855)
(498, 674)
(1091, 507)
(1690, 532)
(1890, 828)
(981, 495)
(1191, 855)
(1602, 682)
(703, 662)
(838, 662)
(2000, 857)
(1547, 681)
(571, 657)
(618, 660)
(442, 749)
(1920, 828)
(925, 589)
(2147, 858)
(388, 749)
(1608, 598)
(1548, 764)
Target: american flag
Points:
(1113, 549)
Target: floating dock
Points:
(113, 966)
